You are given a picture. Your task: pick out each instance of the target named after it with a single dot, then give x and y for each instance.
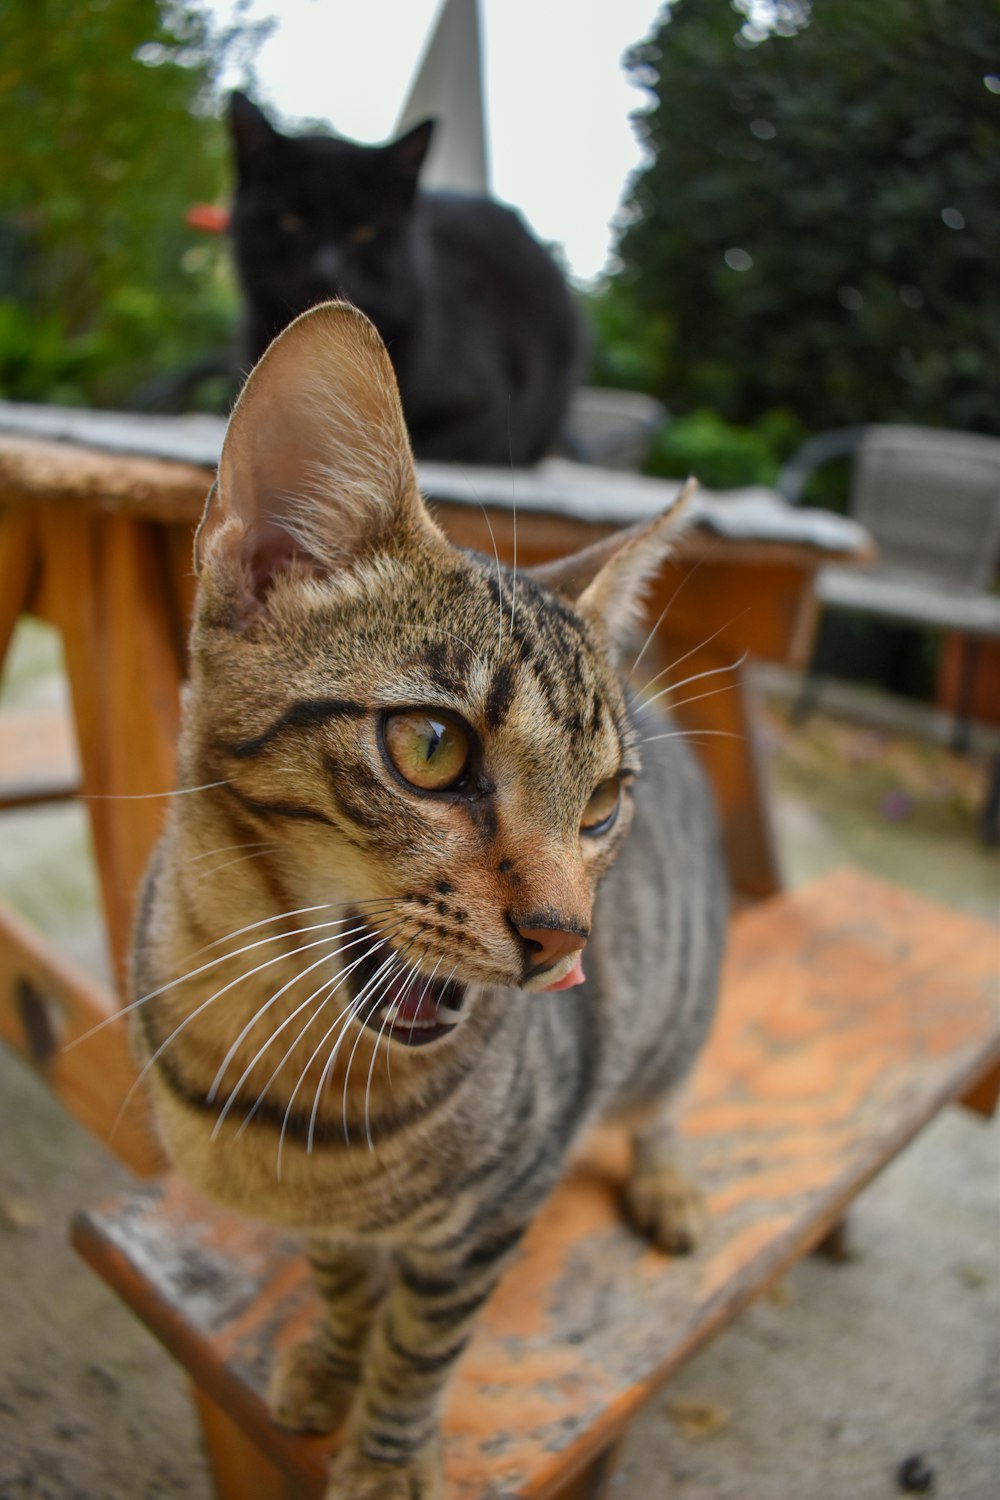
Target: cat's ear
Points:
(409, 152)
(252, 132)
(606, 582)
(316, 468)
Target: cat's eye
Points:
(602, 809)
(290, 223)
(429, 751)
(363, 235)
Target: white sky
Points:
(558, 103)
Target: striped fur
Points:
(412, 1170)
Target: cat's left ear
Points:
(316, 469)
(606, 583)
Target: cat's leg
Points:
(314, 1382)
(661, 1199)
(392, 1448)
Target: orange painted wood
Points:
(46, 1004)
(851, 1013)
(18, 569)
(238, 1468)
(38, 759)
(984, 1097)
(107, 593)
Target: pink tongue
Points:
(575, 976)
(415, 1001)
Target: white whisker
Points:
(689, 734)
(200, 1009)
(203, 969)
(675, 687)
(182, 791)
(332, 983)
(367, 934)
(700, 647)
(239, 860)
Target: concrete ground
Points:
(822, 1390)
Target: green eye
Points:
(428, 751)
(602, 809)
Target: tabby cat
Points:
(480, 326)
(413, 769)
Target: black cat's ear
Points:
(316, 469)
(252, 131)
(410, 151)
(607, 582)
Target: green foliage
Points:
(107, 136)
(722, 455)
(818, 227)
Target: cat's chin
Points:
(404, 1005)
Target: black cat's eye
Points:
(363, 235)
(602, 809)
(290, 223)
(428, 750)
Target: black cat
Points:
(478, 320)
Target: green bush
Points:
(721, 454)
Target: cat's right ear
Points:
(252, 132)
(316, 470)
(410, 151)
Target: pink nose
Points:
(552, 943)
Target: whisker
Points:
(688, 734)
(423, 992)
(343, 1020)
(225, 849)
(712, 693)
(368, 1085)
(349, 1012)
(239, 860)
(331, 983)
(713, 545)
(701, 645)
(199, 1010)
(182, 791)
(194, 973)
(366, 935)
(301, 911)
(694, 677)
(496, 554)
(373, 1005)
(334, 984)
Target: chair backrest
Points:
(931, 500)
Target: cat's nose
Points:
(546, 945)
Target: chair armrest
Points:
(814, 453)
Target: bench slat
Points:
(852, 1012)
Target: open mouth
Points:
(400, 1002)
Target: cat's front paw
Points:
(667, 1208)
(354, 1477)
(305, 1393)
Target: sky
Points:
(558, 102)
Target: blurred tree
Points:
(107, 135)
(818, 226)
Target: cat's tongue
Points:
(575, 976)
(414, 1000)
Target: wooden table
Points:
(96, 516)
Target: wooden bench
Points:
(96, 518)
(852, 1012)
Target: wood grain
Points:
(852, 1012)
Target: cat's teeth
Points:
(445, 1013)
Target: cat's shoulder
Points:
(469, 222)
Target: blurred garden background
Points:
(811, 242)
